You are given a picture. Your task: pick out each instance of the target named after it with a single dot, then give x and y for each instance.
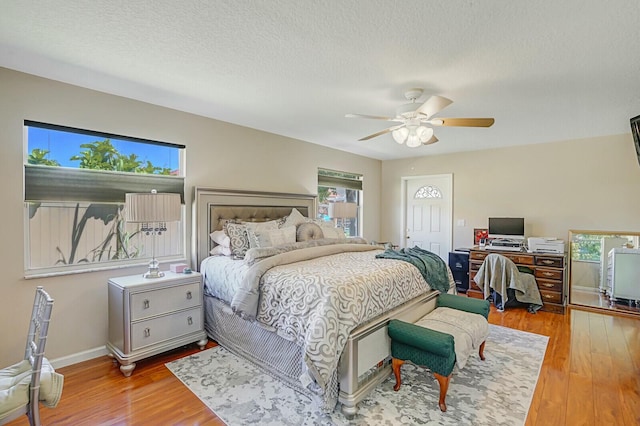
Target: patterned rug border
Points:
(278, 404)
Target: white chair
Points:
(20, 384)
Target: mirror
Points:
(596, 284)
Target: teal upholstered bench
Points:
(441, 338)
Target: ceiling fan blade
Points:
(430, 141)
(463, 122)
(433, 105)
(380, 133)
(374, 117)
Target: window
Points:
(75, 183)
(337, 187)
(428, 192)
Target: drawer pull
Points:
(147, 332)
(547, 274)
(145, 304)
(189, 296)
(548, 296)
(547, 262)
(547, 285)
(190, 321)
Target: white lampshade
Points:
(400, 135)
(343, 210)
(413, 135)
(152, 207)
(424, 133)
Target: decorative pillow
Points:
(333, 233)
(221, 250)
(263, 226)
(271, 237)
(239, 240)
(295, 218)
(308, 231)
(221, 238)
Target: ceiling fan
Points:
(417, 120)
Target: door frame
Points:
(403, 197)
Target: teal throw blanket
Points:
(430, 265)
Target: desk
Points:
(549, 270)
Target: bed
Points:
(315, 316)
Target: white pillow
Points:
(333, 233)
(294, 219)
(221, 250)
(221, 238)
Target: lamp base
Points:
(153, 274)
(154, 270)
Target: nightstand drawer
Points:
(149, 332)
(156, 302)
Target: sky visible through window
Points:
(64, 145)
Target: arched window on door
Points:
(428, 192)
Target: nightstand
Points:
(148, 316)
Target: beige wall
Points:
(579, 184)
(550, 185)
(219, 155)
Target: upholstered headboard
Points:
(212, 207)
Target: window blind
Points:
(46, 183)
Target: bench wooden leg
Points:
(481, 351)
(444, 387)
(395, 365)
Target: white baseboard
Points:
(79, 357)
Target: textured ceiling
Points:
(546, 70)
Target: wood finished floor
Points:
(590, 376)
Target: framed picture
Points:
(480, 234)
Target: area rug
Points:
(497, 391)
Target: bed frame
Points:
(365, 361)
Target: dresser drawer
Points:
(520, 259)
(549, 274)
(551, 296)
(549, 285)
(156, 302)
(474, 266)
(155, 330)
(478, 255)
(554, 262)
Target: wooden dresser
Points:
(549, 270)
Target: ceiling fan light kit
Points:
(416, 120)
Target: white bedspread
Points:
(318, 302)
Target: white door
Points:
(429, 213)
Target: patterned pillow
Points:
(271, 237)
(239, 240)
(263, 226)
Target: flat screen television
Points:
(635, 132)
(506, 228)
